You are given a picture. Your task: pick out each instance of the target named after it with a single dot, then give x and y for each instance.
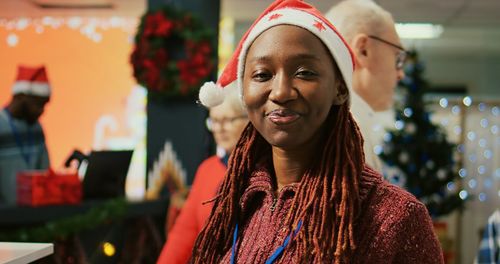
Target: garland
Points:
(173, 55)
(63, 228)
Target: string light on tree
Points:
(481, 140)
(404, 157)
(462, 172)
(481, 107)
(482, 197)
(443, 102)
(467, 101)
(451, 186)
(108, 249)
(463, 194)
(472, 183)
(419, 148)
(441, 173)
(410, 128)
(495, 111)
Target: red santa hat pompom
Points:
(282, 12)
(31, 81)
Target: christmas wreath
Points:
(173, 54)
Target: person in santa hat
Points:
(22, 141)
(298, 189)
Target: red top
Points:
(393, 227)
(193, 216)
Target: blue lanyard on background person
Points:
(275, 254)
(17, 136)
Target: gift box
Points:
(48, 187)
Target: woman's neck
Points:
(290, 166)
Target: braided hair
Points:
(327, 199)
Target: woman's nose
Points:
(282, 89)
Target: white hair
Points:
(352, 17)
(233, 98)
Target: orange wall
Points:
(88, 79)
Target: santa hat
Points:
(281, 12)
(31, 81)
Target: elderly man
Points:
(369, 30)
(22, 142)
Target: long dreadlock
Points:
(326, 201)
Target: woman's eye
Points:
(261, 76)
(306, 74)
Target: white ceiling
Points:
(446, 12)
(471, 27)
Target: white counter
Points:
(22, 253)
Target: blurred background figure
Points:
(489, 248)
(226, 121)
(370, 32)
(22, 141)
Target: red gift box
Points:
(48, 187)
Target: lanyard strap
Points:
(275, 254)
(17, 136)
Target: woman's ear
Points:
(342, 93)
(359, 45)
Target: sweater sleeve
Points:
(181, 238)
(417, 241)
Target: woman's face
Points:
(289, 86)
(226, 124)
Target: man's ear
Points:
(359, 45)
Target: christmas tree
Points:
(419, 149)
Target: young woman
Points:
(297, 188)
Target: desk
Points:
(21, 253)
(13, 215)
(128, 231)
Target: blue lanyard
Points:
(275, 254)
(17, 136)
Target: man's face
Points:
(381, 75)
(32, 107)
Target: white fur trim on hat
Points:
(211, 94)
(289, 16)
(31, 88)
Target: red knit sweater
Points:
(194, 214)
(394, 227)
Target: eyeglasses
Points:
(400, 58)
(213, 124)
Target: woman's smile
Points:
(282, 116)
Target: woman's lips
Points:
(282, 116)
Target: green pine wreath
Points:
(173, 53)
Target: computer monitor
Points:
(106, 174)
